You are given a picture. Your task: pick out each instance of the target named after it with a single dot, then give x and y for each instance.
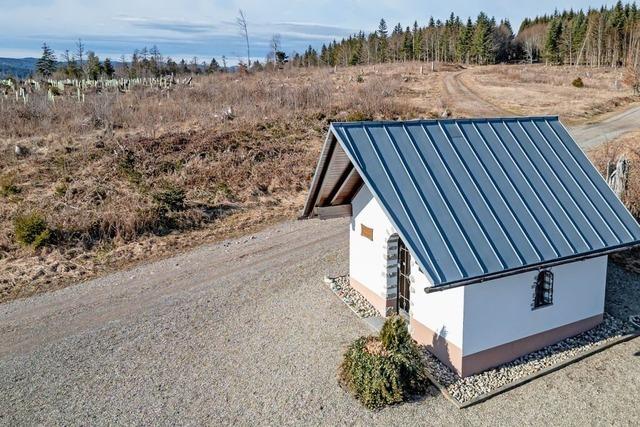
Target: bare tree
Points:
(632, 78)
(80, 53)
(275, 46)
(241, 20)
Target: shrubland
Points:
(128, 176)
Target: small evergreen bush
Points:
(384, 370)
(32, 229)
(358, 116)
(8, 186)
(578, 83)
(170, 198)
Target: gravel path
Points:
(593, 134)
(241, 332)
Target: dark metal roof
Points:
(475, 198)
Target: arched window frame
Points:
(544, 289)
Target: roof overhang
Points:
(335, 182)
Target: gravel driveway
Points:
(245, 332)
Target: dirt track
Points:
(466, 102)
(593, 134)
(244, 332)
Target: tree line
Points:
(596, 37)
(608, 36)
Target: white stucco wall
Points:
(500, 311)
(479, 316)
(442, 312)
(366, 258)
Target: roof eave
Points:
(532, 267)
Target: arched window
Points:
(544, 289)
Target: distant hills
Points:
(17, 67)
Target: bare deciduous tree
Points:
(241, 20)
(275, 46)
(80, 53)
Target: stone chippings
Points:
(466, 389)
(359, 304)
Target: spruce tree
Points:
(417, 42)
(214, 67)
(464, 42)
(94, 68)
(552, 42)
(407, 45)
(383, 45)
(109, 71)
(46, 65)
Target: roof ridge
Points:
(445, 120)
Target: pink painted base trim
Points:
(451, 355)
(492, 357)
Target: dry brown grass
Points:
(541, 90)
(96, 171)
(627, 146)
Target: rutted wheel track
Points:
(466, 102)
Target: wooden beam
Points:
(328, 212)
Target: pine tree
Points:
(94, 68)
(382, 41)
(552, 42)
(46, 65)
(214, 67)
(109, 71)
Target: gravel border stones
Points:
(464, 390)
(354, 300)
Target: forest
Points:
(596, 37)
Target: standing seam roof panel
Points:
(502, 180)
(472, 198)
(460, 206)
(552, 206)
(482, 183)
(561, 182)
(498, 221)
(623, 221)
(520, 183)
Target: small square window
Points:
(544, 289)
(366, 232)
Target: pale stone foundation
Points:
(465, 365)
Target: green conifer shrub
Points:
(384, 370)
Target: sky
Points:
(207, 28)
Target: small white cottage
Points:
(490, 235)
